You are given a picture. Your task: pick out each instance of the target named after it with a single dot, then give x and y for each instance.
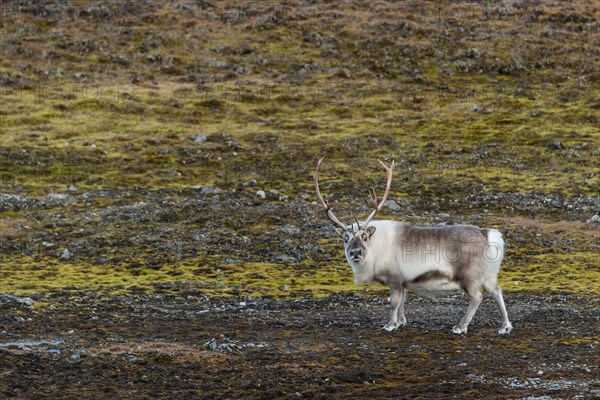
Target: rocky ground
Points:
(159, 231)
(187, 345)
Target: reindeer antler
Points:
(325, 205)
(373, 196)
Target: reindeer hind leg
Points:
(476, 297)
(491, 286)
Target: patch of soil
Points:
(186, 345)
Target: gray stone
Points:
(556, 145)
(392, 205)
(275, 195)
(58, 196)
(261, 194)
(210, 190)
(199, 138)
(291, 230)
(284, 258)
(10, 298)
(66, 255)
(595, 219)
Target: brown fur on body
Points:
(427, 260)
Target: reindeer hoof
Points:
(390, 327)
(505, 330)
(458, 330)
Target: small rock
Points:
(25, 300)
(66, 255)
(54, 351)
(231, 261)
(58, 196)
(251, 182)
(476, 108)
(154, 58)
(594, 220)
(284, 258)
(199, 138)
(555, 145)
(472, 53)
(211, 344)
(72, 188)
(535, 113)
(210, 190)
(275, 195)
(78, 353)
(291, 230)
(318, 249)
(102, 260)
(261, 194)
(392, 205)
(48, 244)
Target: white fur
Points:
(390, 261)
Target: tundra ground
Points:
(185, 345)
(157, 205)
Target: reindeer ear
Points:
(340, 232)
(370, 230)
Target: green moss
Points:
(38, 274)
(579, 341)
(557, 273)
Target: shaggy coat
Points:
(428, 260)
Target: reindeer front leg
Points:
(397, 318)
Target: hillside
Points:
(159, 153)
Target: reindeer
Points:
(428, 260)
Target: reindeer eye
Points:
(364, 237)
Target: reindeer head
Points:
(356, 241)
(356, 237)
